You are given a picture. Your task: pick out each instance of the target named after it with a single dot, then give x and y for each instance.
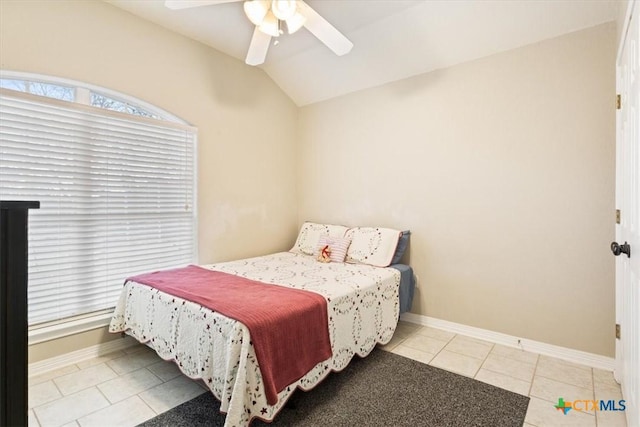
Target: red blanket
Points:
(289, 327)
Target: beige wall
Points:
(621, 14)
(69, 343)
(246, 146)
(503, 168)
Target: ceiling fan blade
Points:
(186, 4)
(258, 48)
(324, 31)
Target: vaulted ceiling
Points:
(393, 39)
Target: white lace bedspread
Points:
(363, 310)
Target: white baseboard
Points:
(57, 362)
(575, 356)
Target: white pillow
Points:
(310, 232)
(373, 246)
(337, 245)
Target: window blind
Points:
(116, 198)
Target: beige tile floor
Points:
(128, 387)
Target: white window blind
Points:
(116, 198)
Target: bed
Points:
(363, 303)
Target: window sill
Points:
(51, 332)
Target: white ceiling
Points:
(393, 39)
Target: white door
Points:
(628, 202)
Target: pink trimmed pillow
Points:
(338, 246)
(309, 234)
(373, 246)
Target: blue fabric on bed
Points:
(407, 286)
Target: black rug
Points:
(382, 389)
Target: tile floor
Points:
(128, 387)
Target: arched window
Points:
(115, 178)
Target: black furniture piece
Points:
(13, 312)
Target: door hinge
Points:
(617, 216)
(617, 331)
(618, 102)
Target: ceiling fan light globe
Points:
(283, 9)
(256, 10)
(270, 25)
(295, 22)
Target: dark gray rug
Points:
(382, 389)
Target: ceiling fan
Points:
(269, 16)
